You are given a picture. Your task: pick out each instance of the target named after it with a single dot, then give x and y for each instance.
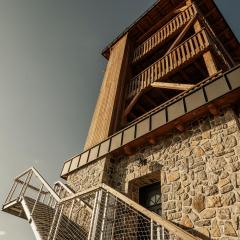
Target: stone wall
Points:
(87, 177)
(199, 171)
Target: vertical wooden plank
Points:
(170, 61)
(177, 21)
(167, 64)
(179, 56)
(163, 67)
(159, 70)
(174, 58)
(164, 32)
(197, 49)
(183, 53)
(191, 47)
(186, 44)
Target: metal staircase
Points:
(100, 213)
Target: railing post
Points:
(158, 232)
(53, 223)
(25, 184)
(58, 223)
(94, 220)
(163, 233)
(151, 230)
(104, 216)
(38, 197)
(10, 194)
(70, 212)
(93, 215)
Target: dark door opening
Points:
(150, 197)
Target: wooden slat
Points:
(181, 35)
(179, 55)
(174, 86)
(162, 34)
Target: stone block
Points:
(173, 176)
(224, 214)
(198, 203)
(215, 231)
(229, 199)
(211, 190)
(213, 201)
(186, 221)
(227, 188)
(208, 213)
(223, 182)
(229, 229)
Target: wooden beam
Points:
(179, 10)
(182, 34)
(189, 2)
(180, 127)
(208, 58)
(152, 141)
(148, 99)
(213, 110)
(132, 103)
(174, 86)
(128, 151)
(141, 108)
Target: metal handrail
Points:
(64, 186)
(171, 227)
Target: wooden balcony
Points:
(164, 33)
(185, 52)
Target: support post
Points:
(53, 223)
(95, 215)
(58, 223)
(104, 216)
(158, 232)
(151, 230)
(38, 197)
(9, 196)
(25, 184)
(208, 58)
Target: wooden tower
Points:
(164, 138)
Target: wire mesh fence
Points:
(110, 218)
(100, 213)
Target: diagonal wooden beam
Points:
(133, 102)
(150, 100)
(141, 108)
(182, 34)
(173, 86)
(182, 9)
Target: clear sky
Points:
(50, 73)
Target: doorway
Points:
(150, 197)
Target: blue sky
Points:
(50, 73)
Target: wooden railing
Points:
(167, 30)
(189, 49)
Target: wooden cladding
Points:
(164, 33)
(186, 51)
(207, 92)
(101, 124)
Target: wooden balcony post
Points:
(208, 57)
